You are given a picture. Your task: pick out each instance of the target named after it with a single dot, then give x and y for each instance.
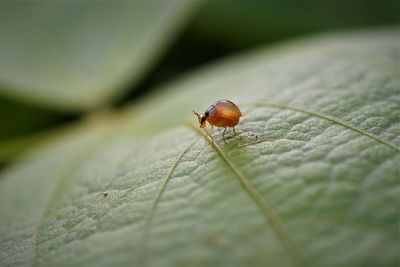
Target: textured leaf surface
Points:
(78, 54)
(311, 179)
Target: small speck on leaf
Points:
(212, 240)
(57, 215)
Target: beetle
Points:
(222, 113)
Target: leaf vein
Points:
(153, 208)
(324, 117)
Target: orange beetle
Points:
(222, 113)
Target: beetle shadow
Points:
(240, 147)
(240, 139)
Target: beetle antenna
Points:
(197, 114)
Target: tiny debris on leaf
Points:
(57, 215)
(212, 240)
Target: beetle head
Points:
(201, 118)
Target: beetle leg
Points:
(235, 133)
(223, 135)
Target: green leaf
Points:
(310, 180)
(77, 54)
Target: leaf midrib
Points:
(269, 213)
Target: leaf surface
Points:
(310, 180)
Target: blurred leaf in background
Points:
(77, 55)
(311, 180)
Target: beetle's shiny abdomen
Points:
(223, 114)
